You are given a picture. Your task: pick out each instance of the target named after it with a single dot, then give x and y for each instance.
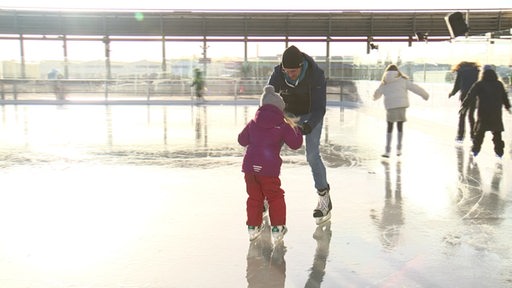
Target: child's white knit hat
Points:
(269, 96)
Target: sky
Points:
(262, 4)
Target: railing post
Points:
(15, 90)
(341, 93)
(236, 89)
(2, 93)
(151, 89)
(106, 89)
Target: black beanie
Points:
(292, 58)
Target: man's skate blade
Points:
(323, 219)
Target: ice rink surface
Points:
(153, 196)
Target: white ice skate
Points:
(323, 219)
(386, 155)
(323, 209)
(255, 231)
(278, 233)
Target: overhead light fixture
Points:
(456, 24)
(370, 45)
(420, 36)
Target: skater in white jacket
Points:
(395, 86)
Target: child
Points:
(264, 136)
(198, 83)
(490, 96)
(395, 86)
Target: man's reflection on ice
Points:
(322, 236)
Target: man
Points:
(301, 83)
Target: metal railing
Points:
(147, 90)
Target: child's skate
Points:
(323, 209)
(255, 231)
(278, 233)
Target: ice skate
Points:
(475, 150)
(278, 233)
(255, 231)
(323, 209)
(388, 146)
(498, 148)
(322, 219)
(399, 138)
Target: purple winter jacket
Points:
(264, 136)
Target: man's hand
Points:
(305, 128)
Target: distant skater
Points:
(198, 83)
(467, 75)
(395, 86)
(489, 96)
(264, 136)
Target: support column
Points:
(108, 76)
(22, 57)
(164, 61)
(245, 50)
(65, 51)
(106, 41)
(205, 57)
(328, 56)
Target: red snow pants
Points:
(258, 188)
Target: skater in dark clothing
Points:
(467, 75)
(264, 137)
(301, 83)
(489, 96)
(198, 83)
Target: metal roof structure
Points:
(248, 25)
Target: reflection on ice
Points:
(476, 202)
(391, 218)
(153, 196)
(163, 136)
(266, 264)
(322, 235)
